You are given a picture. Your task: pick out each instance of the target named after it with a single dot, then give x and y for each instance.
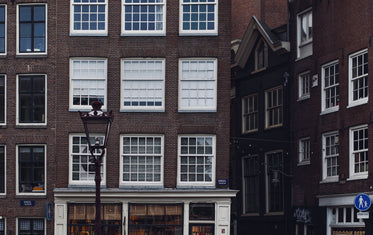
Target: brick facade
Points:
(61, 122)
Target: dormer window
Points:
(261, 55)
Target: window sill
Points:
(27, 196)
(33, 55)
(358, 177)
(330, 180)
(196, 111)
(304, 97)
(250, 214)
(31, 126)
(330, 110)
(303, 57)
(272, 127)
(273, 213)
(357, 103)
(304, 163)
(258, 70)
(250, 131)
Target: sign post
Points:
(362, 202)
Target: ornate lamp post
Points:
(97, 121)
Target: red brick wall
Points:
(272, 12)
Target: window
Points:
(31, 99)
(250, 187)
(31, 226)
(31, 169)
(275, 190)
(32, 29)
(261, 55)
(142, 160)
(199, 17)
(81, 219)
(143, 82)
(304, 35)
(358, 78)
(304, 85)
(88, 17)
(201, 218)
(359, 152)
(2, 170)
(2, 226)
(304, 151)
(330, 87)
(3, 29)
(250, 113)
(155, 219)
(274, 107)
(147, 17)
(82, 167)
(87, 82)
(196, 164)
(330, 156)
(197, 85)
(2, 99)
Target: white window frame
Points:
(149, 78)
(88, 154)
(251, 113)
(199, 79)
(304, 48)
(46, 31)
(5, 29)
(197, 32)
(5, 100)
(82, 32)
(45, 170)
(353, 174)
(359, 101)
(324, 88)
(304, 156)
(325, 156)
(213, 163)
(274, 107)
(31, 218)
(147, 32)
(304, 85)
(87, 107)
(5, 166)
(45, 101)
(161, 155)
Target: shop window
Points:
(201, 212)
(81, 219)
(155, 219)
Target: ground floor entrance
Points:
(179, 212)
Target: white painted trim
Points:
(141, 183)
(88, 32)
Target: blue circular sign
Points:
(362, 202)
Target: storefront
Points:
(169, 212)
(341, 215)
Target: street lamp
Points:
(97, 121)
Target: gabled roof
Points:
(254, 30)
